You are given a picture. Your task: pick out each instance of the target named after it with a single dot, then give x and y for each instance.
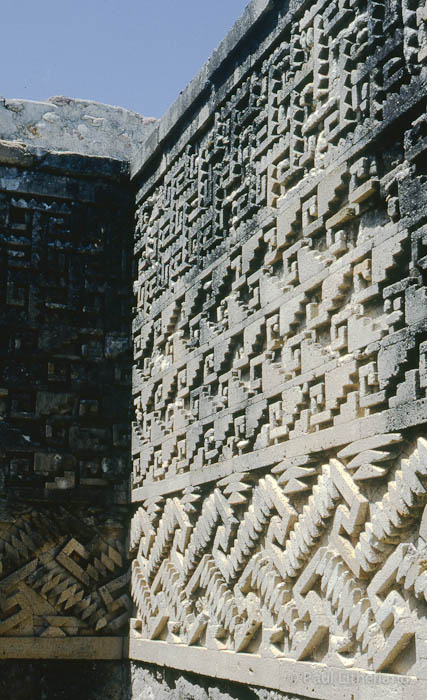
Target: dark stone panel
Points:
(64, 331)
(65, 286)
(64, 680)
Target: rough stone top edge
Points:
(62, 100)
(65, 124)
(252, 14)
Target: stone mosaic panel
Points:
(64, 342)
(64, 404)
(63, 573)
(279, 463)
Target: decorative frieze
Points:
(279, 463)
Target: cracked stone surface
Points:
(78, 126)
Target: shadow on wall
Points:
(68, 680)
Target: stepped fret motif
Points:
(279, 456)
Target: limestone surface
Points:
(279, 450)
(78, 126)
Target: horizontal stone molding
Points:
(304, 679)
(412, 414)
(72, 649)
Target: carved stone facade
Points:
(64, 395)
(279, 456)
(279, 463)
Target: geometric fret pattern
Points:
(280, 371)
(64, 404)
(63, 574)
(279, 453)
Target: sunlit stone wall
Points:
(279, 459)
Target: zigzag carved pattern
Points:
(334, 579)
(61, 575)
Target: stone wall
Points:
(79, 126)
(65, 233)
(154, 683)
(279, 478)
(66, 680)
(279, 458)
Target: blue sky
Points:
(135, 53)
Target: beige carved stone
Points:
(280, 462)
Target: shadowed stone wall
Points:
(68, 680)
(65, 301)
(65, 232)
